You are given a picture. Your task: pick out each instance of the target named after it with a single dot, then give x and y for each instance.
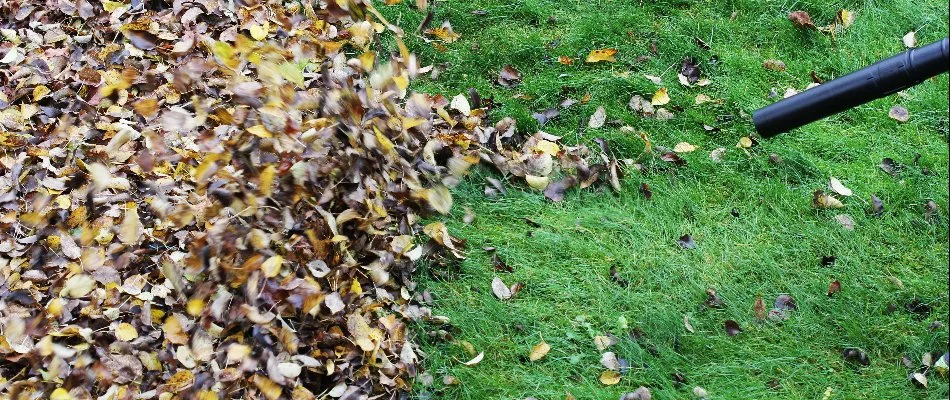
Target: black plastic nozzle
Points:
(878, 80)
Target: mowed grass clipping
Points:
(752, 220)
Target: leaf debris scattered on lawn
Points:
(539, 351)
(899, 113)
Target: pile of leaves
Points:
(221, 199)
(211, 200)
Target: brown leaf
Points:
(855, 356)
(509, 76)
(597, 119)
(834, 288)
(686, 242)
(556, 190)
(142, 39)
(759, 308)
(877, 206)
(732, 327)
(801, 19)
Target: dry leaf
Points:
(910, 39)
(500, 289)
(801, 19)
(597, 119)
(684, 147)
(610, 377)
(539, 351)
(660, 98)
(687, 325)
(475, 360)
(899, 113)
(839, 188)
(126, 332)
(599, 55)
(823, 200)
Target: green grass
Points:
(774, 246)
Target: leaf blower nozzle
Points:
(878, 80)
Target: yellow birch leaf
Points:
(271, 267)
(260, 131)
(131, 228)
(265, 181)
(609, 377)
(661, 97)
(126, 332)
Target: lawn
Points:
(752, 220)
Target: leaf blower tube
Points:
(881, 79)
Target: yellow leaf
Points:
(259, 32)
(131, 227)
(195, 306)
(126, 332)
(744, 142)
(182, 380)
(78, 286)
(547, 147)
(111, 6)
(291, 72)
(265, 181)
(537, 182)
(684, 147)
(661, 97)
(225, 53)
(385, 144)
(270, 389)
(610, 377)
(538, 352)
(39, 92)
(439, 198)
(260, 131)
(367, 60)
(271, 267)
(60, 394)
(602, 55)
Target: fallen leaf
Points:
(684, 147)
(565, 60)
(745, 142)
(839, 187)
(475, 360)
(686, 242)
(599, 55)
(509, 76)
(460, 103)
(687, 325)
(834, 288)
(732, 327)
(555, 191)
(672, 157)
(500, 289)
(655, 79)
(689, 71)
(717, 154)
(700, 393)
(855, 356)
(759, 308)
(646, 191)
(877, 206)
(899, 113)
(774, 65)
(785, 302)
(539, 351)
(918, 379)
(661, 97)
(609, 360)
(713, 300)
(547, 115)
(846, 221)
(822, 200)
(801, 19)
(610, 378)
(910, 39)
(126, 332)
(597, 119)
(890, 166)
